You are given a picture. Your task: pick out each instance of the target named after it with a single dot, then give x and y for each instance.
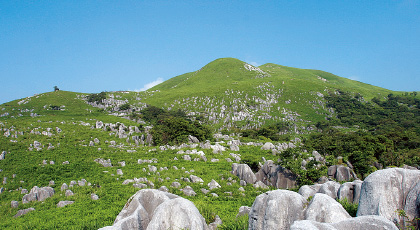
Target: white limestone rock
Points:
(323, 208)
(268, 211)
(154, 209)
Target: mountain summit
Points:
(232, 93)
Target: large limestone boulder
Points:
(341, 173)
(276, 209)
(244, 172)
(330, 188)
(357, 223)
(309, 190)
(153, 209)
(276, 176)
(386, 191)
(350, 191)
(323, 208)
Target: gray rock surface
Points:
(195, 179)
(350, 191)
(260, 184)
(175, 184)
(103, 162)
(309, 190)
(38, 194)
(341, 173)
(23, 212)
(244, 172)
(153, 209)
(330, 188)
(188, 191)
(323, 208)
(69, 193)
(386, 191)
(64, 203)
(357, 223)
(268, 210)
(213, 184)
(276, 176)
(192, 139)
(243, 210)
(2, 155)
(14, 204)
(268, 146)
(93, 196)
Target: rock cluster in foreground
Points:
(154, 209)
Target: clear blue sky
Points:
(94, 46)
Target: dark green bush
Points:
(96, 97)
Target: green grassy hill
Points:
(269, 93)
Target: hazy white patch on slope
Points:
(150, 85)
(354, 78)
(254, 63)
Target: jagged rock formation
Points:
(38, 194)
(154, 209)
(276, 176)
(244, 172)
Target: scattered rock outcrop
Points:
(64, 203)
(154, 209)
(103, 162)
(38, 194)
(213, 184)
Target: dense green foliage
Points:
(175, 130)
(96, 97)
(173, 127)
(386, 131)
(274, 132)
(125, 107)
(351, 208)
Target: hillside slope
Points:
(232, 93)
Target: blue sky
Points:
(94, 46)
